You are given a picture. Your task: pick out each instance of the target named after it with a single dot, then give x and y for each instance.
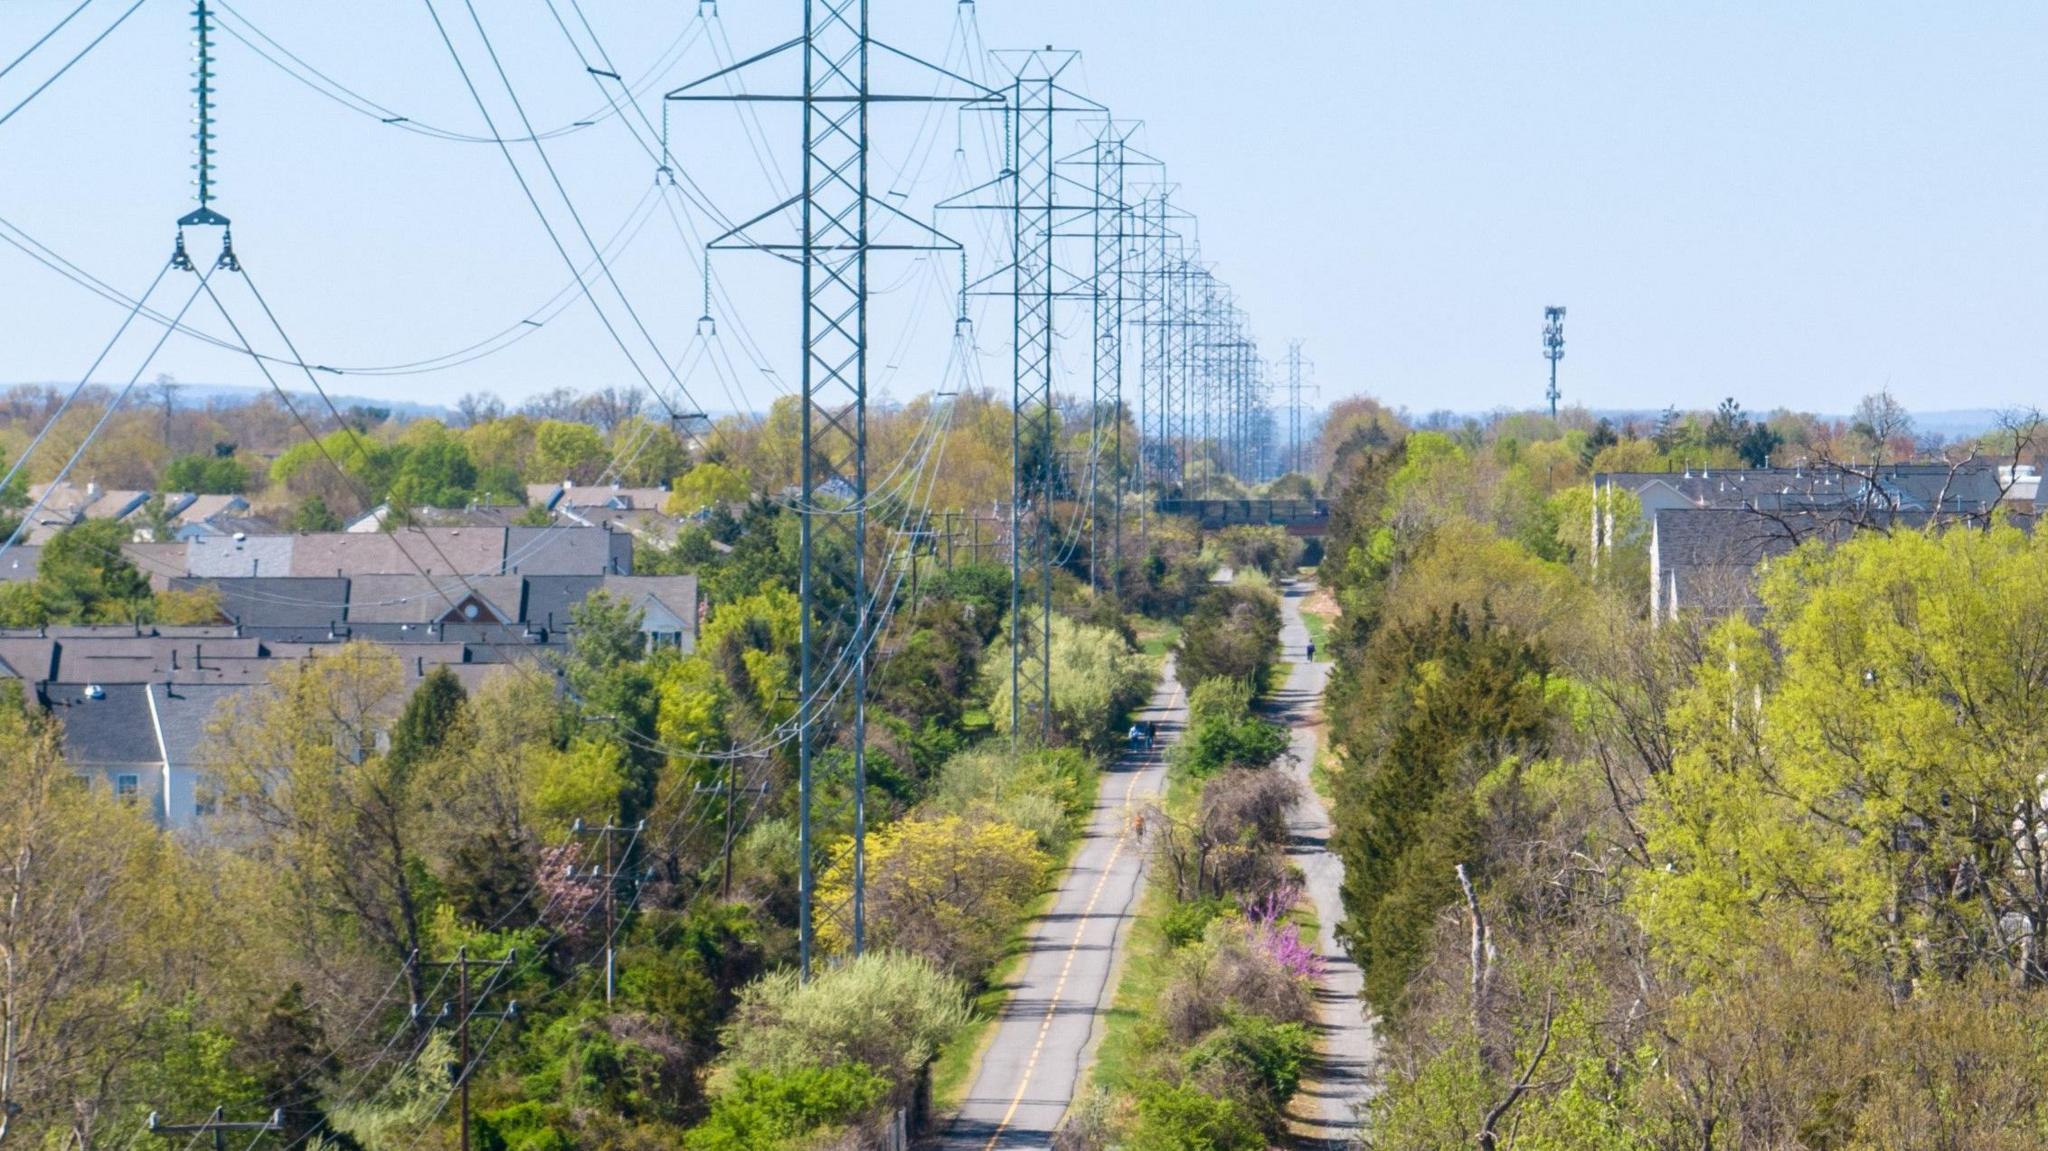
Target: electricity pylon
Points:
(1115, 225)
(1028, 191)
(1299, 369)
(1110, 222)
(835, 236)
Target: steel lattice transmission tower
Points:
(1034, 102)
(835, 217)
(1553, 349)
(1116, 231)
(1299, 368)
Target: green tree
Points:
(342, 825)
(1455, 698)
(566, 451)
(313, 515)
(434, 717)
(207, 474)
(708, 485)
(83, 898)
(84, 577)
(436, 472)
(1233, 633)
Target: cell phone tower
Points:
(835, 215)
(1553, 349)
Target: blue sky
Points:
(1793, 204)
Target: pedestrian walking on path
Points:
(1311, 651)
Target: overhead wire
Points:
(94, 432)
(504, 338)
(325, 85)
(81, 54)
(44, 38)
(526, 188)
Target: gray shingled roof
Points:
(566, 551)
(673, 596)
(186, 711)
(408, 551)
(283, 602)
(247, 557)
(549, 599)
(1709, 556)
(413, 599)
(114, 729)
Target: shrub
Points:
(1183, 1117)
(1223, 733)
(948, 889)
(1234, 634)
(1248, 806)
(1188, 921)
(768, 1111)
(1273, 1054)
(1228, 973)
(883, 1009)
(1038, 790)
(1264, 549)
(1097, 681)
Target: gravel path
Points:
(1324, 1114)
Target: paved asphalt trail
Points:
(1324, 1113)
(1049, 1025)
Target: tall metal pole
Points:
(1553, 349)
(1034, 100)
(1296, 383)
(832, 247)
(1111, 216)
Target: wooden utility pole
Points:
(215, 1125)
(464, 1012)
(730, 789)
(609, 876)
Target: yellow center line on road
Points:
(1073, 949)
(1066, 968)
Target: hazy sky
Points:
(1791, 203)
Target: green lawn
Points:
(1146, 968)
(1318, 633)
(1147, 963)
(1156, 637)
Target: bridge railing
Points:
(1230, 513)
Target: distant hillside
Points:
(199, 395)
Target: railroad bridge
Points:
(1306, 518)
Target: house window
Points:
(127, 787)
